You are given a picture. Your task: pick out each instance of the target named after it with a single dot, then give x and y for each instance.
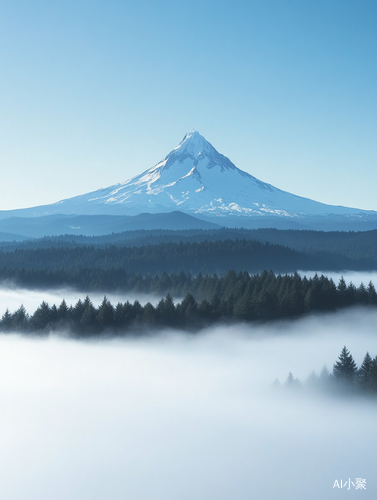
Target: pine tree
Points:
(373, 376)
(325, 378)
(41, 317)
(62, 311)
(372, 294)
(20, 319)
(292, 382)
(188, 308)
(342, 295)
(364, 374)
(165, 311)
(118, 315)
(345, 369)
(88, 323)
(6, 321)
(105, 314)
(362, 295)
(149, 314)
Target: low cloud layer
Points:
(12, 297)
(356, 277)
(185, 416)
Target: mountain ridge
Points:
(194, 178)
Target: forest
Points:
(360, 245)
(346, 377)
(212, 299)
(118, 267)
(213, 275)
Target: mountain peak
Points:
(196, 179)
(193, 144)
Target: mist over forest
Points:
(98, 410)
(197, 416)
(183, 319)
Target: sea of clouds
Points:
(185, 416)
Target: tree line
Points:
(346, 376)
(208, 257)
(356, 246)
(234, 297)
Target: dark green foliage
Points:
(6, 321)
(372, 294)
(105, 314)
(337, 249)
(365, 375)
(20, 319)
(88, 319)
(53, 262)
(41, 318)
(233, 297)
(345, 369)
(373, 376)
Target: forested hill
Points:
(206, 257)
(234, 297)
(355, 246)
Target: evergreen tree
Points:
(105, 314)
(41, 317)
(364, 373)
(342, 292)
(362, 295)
(345, 369)
(291, 382)
(373, 376)
(241, 310)
(118, 315)
(166, 311)
(88, 321)
(20, 319)
(78, 311)
(6, 321)
(62, 311)
(149, 314)
(325, 378)
(372, 294)
(188, 308)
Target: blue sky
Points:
(94, 92)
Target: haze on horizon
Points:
(94, 93)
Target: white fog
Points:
(185, 417)
(356, 277)
(12, 297)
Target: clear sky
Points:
(93, 92)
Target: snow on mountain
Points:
(196, 179)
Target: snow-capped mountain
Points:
(194, 178)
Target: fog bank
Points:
(12, 297)
(184, 416)
(357, 277)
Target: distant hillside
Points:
(104, 267)
(359, 248)
(10, 237)
(94, 225)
